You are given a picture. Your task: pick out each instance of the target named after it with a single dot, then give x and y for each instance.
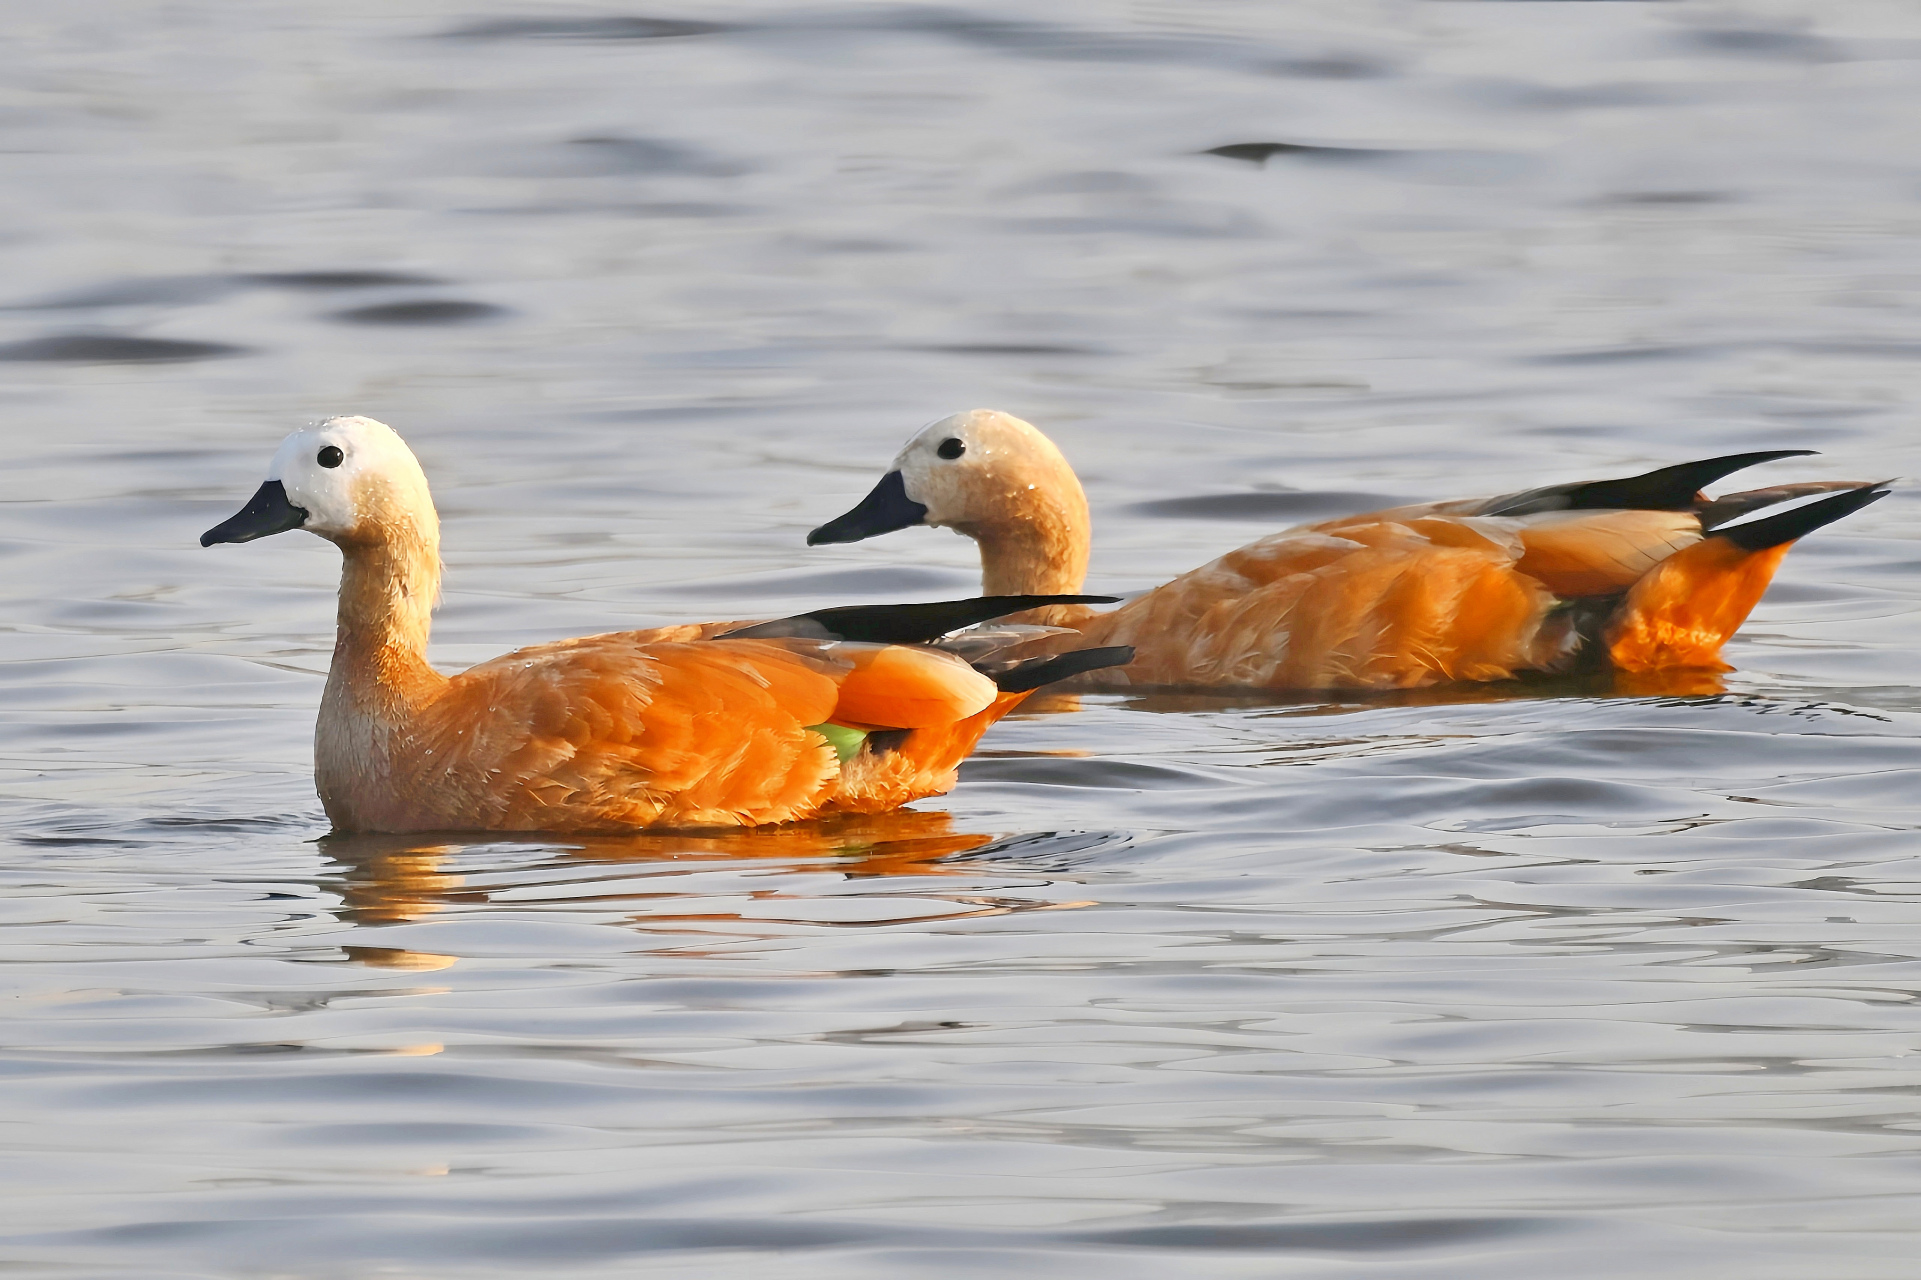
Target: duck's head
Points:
(350, 480)
(974, 471)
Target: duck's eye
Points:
(330, 456)
(951, 448)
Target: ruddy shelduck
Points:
(1638, 575)
(782, 721)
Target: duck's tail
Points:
(1683, 610)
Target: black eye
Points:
(951, 448)
(330, 456)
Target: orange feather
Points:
(892, 686)
(1629, 573)
(1681, 613)
(606, 733)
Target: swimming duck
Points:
(780, 721)
(1639, 575)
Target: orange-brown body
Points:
(1395, 599)
(618, 732)
(1399, 601)
(608, 733)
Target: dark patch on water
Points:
(1681, 198)
(191, 290)
(1451, 167)
(1329, 68)
(324, 281)
(586, 27)
(149, 291)
(424, 312)
(113, 348)
(1755, 42)
(619, 154)
(1378, 1236)
(1622, 355)
(582, 1236)
(1262, 152)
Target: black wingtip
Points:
(1672, 488)
(903, 623)
(1772, 531)
(1035, 672)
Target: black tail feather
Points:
(1675, 488)
(1732, 506)
(1772, 531)
(902, 623)
(1035, 672)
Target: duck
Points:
(852, 710)
(1632, 576)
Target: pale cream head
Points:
(984, 467)
(994, 478)
(357, 481)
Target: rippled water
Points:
(1480, 984)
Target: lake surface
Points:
(1479, 984)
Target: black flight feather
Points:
(1035, 672)
(901, 623)
(1772, 531)
(1675, 488)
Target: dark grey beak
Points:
(268, 511)
(884, 510)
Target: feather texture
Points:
(671, 727)
(1637, 573)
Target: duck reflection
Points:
(387, 880)
(1674, 683)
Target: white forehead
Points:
(974, 427)
(365, 444)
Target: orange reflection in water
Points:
(390, 880)
(1680, 682)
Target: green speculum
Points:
(846, 742)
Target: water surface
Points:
(1487, 983)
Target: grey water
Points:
(1485, 983)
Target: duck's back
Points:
(1423, 595)
(1382, 603)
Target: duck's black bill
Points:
(883, 510)
(267, 512)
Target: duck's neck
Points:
(1038, 548)
(387, 593)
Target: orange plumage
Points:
(1638, 574)
(606, 733)
(1682, 612)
